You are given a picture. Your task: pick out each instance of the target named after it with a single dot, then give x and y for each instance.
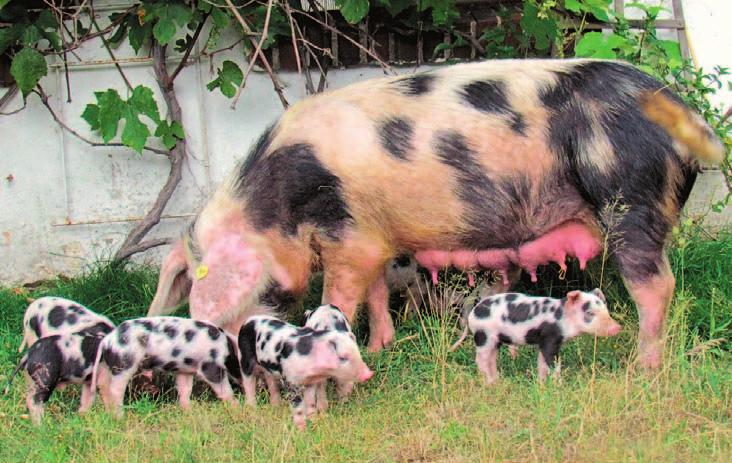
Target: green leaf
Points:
(111, 110)
(228, 80)
(167, 15)
(27, 69)
(91, 116)
(135, 132)
(31, 36)
(599, 45)
(118, 35)
(139, 33)
(3, 3)
(143, 102)
(394, 7)
(176, 128)
(573, 5)
(219, 17)
(353, 10)
(164, 31)
(672, 50)
(46, 20)
(542, 29)
(9, 36)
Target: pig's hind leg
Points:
(486, 354)
(184, 385)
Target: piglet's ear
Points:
(599, 294)
(573, 297)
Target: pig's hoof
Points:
(381, 339)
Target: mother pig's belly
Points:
(571, 239)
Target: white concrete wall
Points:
(66, 204)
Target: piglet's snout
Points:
(614, 329)
(365, 374)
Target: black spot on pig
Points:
(89, 348)
(289, 187)
(189, 335)
(170, 331)
(213, 353)
(396, 137)
(247, 347)
(213, 333)
(416, 85)
(510, 297)
(558, 313)
(35, 325)
(504, 339)
(276, 296)
(483, 310)
(147, 324)
(76, 309)
(274, 367)
(188, 361)
(123, 337)
(480, 338)
(57, 316)
(543, 332)
(518, 313)
(341, 325)
(588, 316)
(175, 352)
(212, 372)
(71, 318)
(276, 324)
(230, 361)
(586, 306)
(117, 362)
(100, 329)
(489, 96)
(286, 350)
(304, 345)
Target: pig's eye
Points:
(343, 359)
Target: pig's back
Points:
(482, 154)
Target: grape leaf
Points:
(111, 110)
(599, 45)
(542, 29)
(142, 102)
(228, 80)
(353, 10)
(91, 115)
(27, 69)
(135, 132)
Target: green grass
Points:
(425, 403)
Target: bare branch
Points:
(141, 247)
(265, 62)
(257, 51)
(292, 34)
(109, 49)
(177, 159)
(44, 100)
(376, 57)
(187, 53)
(12, 91)
(473, 41)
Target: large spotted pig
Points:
(55, 361)
(329, 317)
(302, 357)
(516, 319)
(47, 316)
(186, 347)
(499, 164)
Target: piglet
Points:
(55, 361)
(186, 347)
(47, 316)
(518, 319)
(329, 317)
(302, 357)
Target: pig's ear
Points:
(227, 278)
(573, 297)
(599, 294)
(173, 284)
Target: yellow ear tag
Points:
(201, 271)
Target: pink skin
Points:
(433, 260)
(234, 270)
(381, 327)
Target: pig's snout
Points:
(614, 329)
(365, 375)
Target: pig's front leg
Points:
(344, 389)
(273, 387)
(184, 385)
(381, 327)
(548, 354)
(249, 384)
(297, 405)
(309, 398)
(485, 357)
(87, 397)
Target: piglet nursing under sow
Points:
(516, 319)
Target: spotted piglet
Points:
(329, 317)
(55, 361)
(302, 357)
(517, 319)
(48, 316)
(186, 347)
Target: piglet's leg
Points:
(309, 398)
(215, 376)
(184, 385)
(321, 399)
(274, 389)
(548, 355)
(485, 358)
(297, 405)
(116, 392)
(249, 385)
(344, 390)
(87, 397)
(38, 395)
